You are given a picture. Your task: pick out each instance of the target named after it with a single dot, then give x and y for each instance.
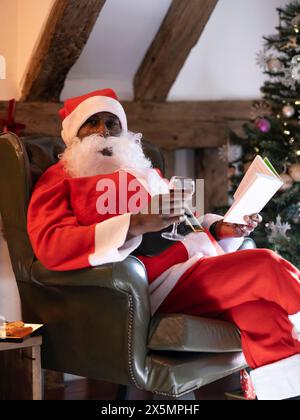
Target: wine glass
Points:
(182, 186)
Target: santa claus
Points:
(91, 209)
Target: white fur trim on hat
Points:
(72, 123)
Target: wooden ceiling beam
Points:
(178, 34)
(170, 125)
(66, 32)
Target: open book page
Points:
(257, 188)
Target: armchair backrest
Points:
(15, 189)
(22, 162)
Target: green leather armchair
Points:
(98, 321)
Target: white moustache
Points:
(95, 155)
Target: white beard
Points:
(84, 158)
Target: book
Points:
(260, 183)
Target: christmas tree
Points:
(274, 132)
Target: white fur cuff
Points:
(278, 381)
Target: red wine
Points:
(193, 221)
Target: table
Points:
(20, 370)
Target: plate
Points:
(16, 339)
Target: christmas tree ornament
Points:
(230, 153)
(260, 109)
(296, 218)
(274, 65)
(262, 59)
(294, 172)
(296, 22)
(288, 111)
(292, 44)
(295, 68)
(288, 182)
(287, 80)
(278, 230)
(263, 125)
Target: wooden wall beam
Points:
(215, 174)
(66, 32)
(179, 32)
(170, 125)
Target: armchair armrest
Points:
(115, 306)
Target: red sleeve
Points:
(58, 241)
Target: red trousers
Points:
(254, 289)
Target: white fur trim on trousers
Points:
(279, 380)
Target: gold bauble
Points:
(294, 172)
(288, 182)
(288, 111)
(274, 65)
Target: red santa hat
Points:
(77, 110)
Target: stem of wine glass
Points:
(174, 230)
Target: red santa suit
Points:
(255, 289)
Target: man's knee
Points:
(266, 255)
(258, 316)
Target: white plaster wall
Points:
(8, 47)
(117, 45)
(221, 66)
(32, 17)
(223, 63)
(21, 24)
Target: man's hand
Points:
(229, 230)
(169, 209)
